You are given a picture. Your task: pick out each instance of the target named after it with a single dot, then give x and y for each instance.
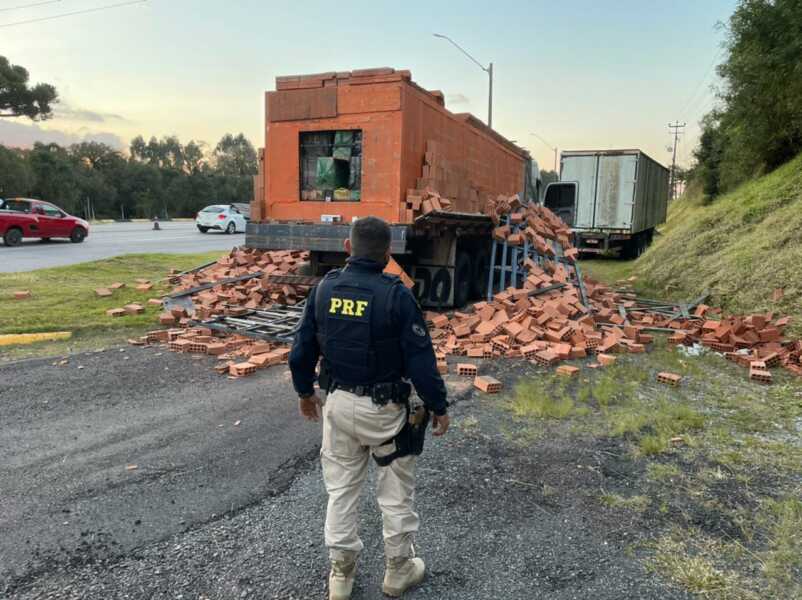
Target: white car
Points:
(221, 217)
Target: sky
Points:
(581, 74)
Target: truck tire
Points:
(481, 271)
(78, 235)
(463, 279)
(13, 237)
(631, 248)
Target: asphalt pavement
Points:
(114, 239)
(142, 474)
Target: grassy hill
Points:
(741, 247)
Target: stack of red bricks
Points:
(233, 298)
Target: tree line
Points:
(158, 178)
(757, 123)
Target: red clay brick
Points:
(467, 369)
(605, 360)
(669, 378)
(567, 370)
(487, 384)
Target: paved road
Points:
(113, 239)
(69, 435)
(219, 511)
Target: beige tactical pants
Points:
(353, 427)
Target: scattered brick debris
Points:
(22, 294)
(103, 292)
(116, 312)
(117, 285)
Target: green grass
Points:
(63, 299)
(717, 449)
(535, 400)
(638, 503)
(740, 247)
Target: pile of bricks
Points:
(238, 356)
(534, 224)
(755, 342)
(231, 298)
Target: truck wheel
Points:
(630, 249)
(463, 279)
(13, 237)
(481, 271)
(78, 235)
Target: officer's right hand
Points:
(440, 424)
(310, 407)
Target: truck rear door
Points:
(616, 191)
(582, 171)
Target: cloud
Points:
(453, 99)
(19, 135)
(66, 112)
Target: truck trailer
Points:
(610, 199)
(343, 145)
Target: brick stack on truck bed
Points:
(344, 145)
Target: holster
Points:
(410, 440)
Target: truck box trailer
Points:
(339, 146)
(610, 199)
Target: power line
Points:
(77, 12)
(21, 6)
(702, 81)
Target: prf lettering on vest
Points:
(345, 306)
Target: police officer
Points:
(372, 336)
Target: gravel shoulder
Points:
(505, 514)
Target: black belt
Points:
(380, 393)
(359, 390)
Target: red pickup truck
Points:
(25, 218)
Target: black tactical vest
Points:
(356, 333)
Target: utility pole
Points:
(676, 129)
(487, 69)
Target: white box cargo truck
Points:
(610, 198)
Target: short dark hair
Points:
(370, 238)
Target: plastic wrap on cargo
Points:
(355, 176)
(331, 173)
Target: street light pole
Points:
(487, 69)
